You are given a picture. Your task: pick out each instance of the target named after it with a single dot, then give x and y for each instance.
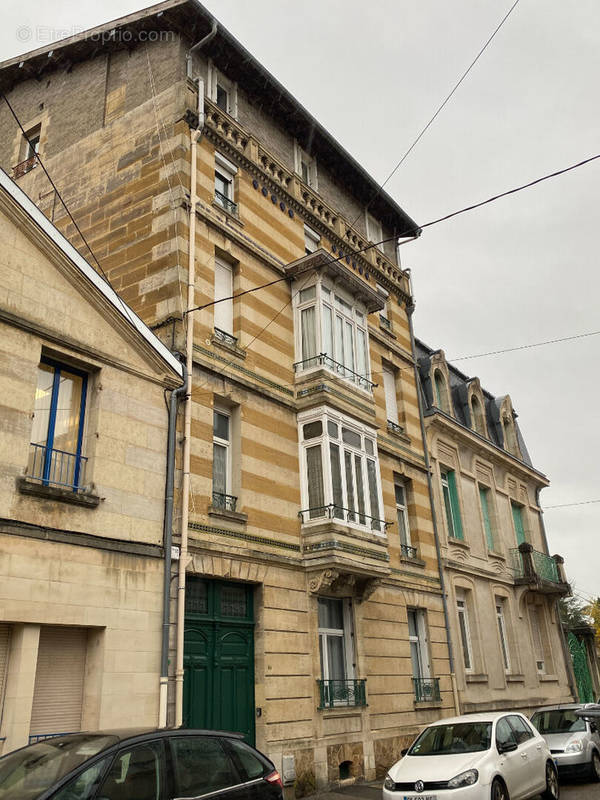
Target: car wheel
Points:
(551, 792)
(595, 766)
(499, 790)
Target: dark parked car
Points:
(139, 765)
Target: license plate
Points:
(420, 797)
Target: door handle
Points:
(538, 747)
(524, 756)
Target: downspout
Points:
(187, 425)
(197, 46)
(167, 543)
(563, 642)
(410, 310)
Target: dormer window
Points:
(374, 231)
(441, 391)
(477, 418)
(222, 91)
(306, 167)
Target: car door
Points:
(532, 751)
(202, 767)
(136, 773)
(512, 765)
(255, 768)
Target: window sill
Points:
(231, 516)
(459, 542)
(233, 217)
(548, 678)
(415, 562)
(425, 704)
(234, 349)
(26, 485)
(515, 677)
(476, 677)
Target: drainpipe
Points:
(187, 425)
(197, 46)
(563, 642)
(176, 395)
(410, 310)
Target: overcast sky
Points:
(518, 271)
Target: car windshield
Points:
(558, 720)
(28, 772)
(456, 737)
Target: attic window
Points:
(477, 419)
(441, 392)
(222, 91)
(306, 167)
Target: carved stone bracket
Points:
(324, 580)
(344, 584)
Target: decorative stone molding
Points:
(323, 580)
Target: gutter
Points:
(410, 310)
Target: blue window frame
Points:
(57, 434)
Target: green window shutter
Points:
(458, 529)
(518, 522)
(489, 534)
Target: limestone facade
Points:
(81, 567)
(502, 584)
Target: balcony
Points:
(427, 690)
(385, 324)
(57, 468)
(332, 511)
(224, 502)
(323, 360)
(538, 571)
(25, 166)
(394, 428)
(407, 551)
(345, 692)
(226, 203)
(225, 338)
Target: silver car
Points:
(574, 742)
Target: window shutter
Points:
(458, 529)
(58, 692)
(391, 403)
(223, 288)
(518, 520)
(486, 517)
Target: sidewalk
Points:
(356, 791)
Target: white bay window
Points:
(340, 470)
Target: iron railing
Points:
(333, 511)
(39, 737)
(323, 360)
(226, 338)
(344, 692)
(427, 689)
(57, 467)
(394, 427)
(224, 502)
(408, 551)
(385, 323)
(25, 166)
(224, 201)
(544, 566)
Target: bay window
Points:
(340, 470)
(331, 332)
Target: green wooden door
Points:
(218, 684)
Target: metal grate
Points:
(345, 692)
(408, 551)
(196, 596)
(427, 689)
(225, 203)
(323, 360)
(332, 511)
(234, 601)
(57, 467)
(224, 502)
(226, 338)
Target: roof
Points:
(193, 21)
(89, 273)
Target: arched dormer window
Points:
(477, 415)
(441, 391)
(510, 435)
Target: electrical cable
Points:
(570, 505)
(527, 346)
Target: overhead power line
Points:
(527, 346)
(570, 505)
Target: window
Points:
(223, 311)
(517, 515)
(32, 147)
(137, 772)
(539, 637)
(340, 470)
(222, 91)
(384, 314)
(522, 730)
(451, 504)
(201, 766)
(374, 231)
(335, 639)
(84, 785)
(306, 167)
(225, 173)
(55, 456)
(331, 332)
(222, 460)
(484, 494)
(441, 391)
(502, 633)
(389, 388)
(403, 522)
(252, 765)
(505, 735)
(312, 240)
(419, 649)
(510, 436)
(463, 627)
(477, 415)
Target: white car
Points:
(497, 756)
(573, 741)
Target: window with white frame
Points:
(374, 231)
(306, 167)
(502, 633)
(225, 173)
(384, 314)
(221, 457)
(340, 470)
(331, 332)
(407, 550)
(335, 639)
(223, 310)
(222, 91)
(389, 388)
(312, 240)
(464, 629)
(418, 640)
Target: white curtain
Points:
(309, 334)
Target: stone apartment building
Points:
(83, 448)
(314, 616)
(502, 583)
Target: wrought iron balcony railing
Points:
(226, 338)
(544, 566)
(332, 511)
(408, 551)
(225, 203)
(25, 166)
(345, 692)
(427, 689)
(224, 502)
(323, 360)
(385, 323)
(57, 467)
(394, 427)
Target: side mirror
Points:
(404, 752)
(507, 747)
